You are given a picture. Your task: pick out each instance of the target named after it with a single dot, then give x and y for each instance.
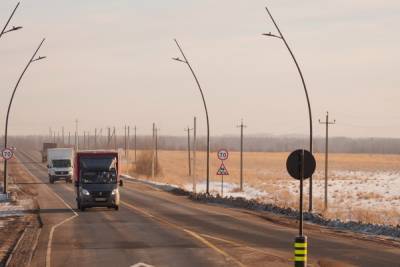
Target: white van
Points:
(60, 164)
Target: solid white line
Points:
(53, 228)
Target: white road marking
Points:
(141, 264)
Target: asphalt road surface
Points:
(157, 228)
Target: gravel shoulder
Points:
(19, 219)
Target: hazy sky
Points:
(109, 63)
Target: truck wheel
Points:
(82, 208)
(116, 207)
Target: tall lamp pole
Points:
(280, 36)
(186, 61)
(14, 28)
(33, 59)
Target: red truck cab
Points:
(96, 176)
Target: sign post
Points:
(300, 165)
(222, 155)
(7, 153)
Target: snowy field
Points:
(365, 196)
(361, 187)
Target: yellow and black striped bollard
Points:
(300, 251)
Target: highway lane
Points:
(102, 237)
(157, 228)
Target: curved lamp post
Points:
(280, 36)
(186, 61)
(33, 59)
(8, 21)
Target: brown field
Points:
(262, 166)
(267, 172)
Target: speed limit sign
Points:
(7, 153)
(223, 154)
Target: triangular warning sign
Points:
(222, 170)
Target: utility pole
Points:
(280, 36)
(63, 136)
(128, 144)
(76, 136)
(156, 144)
(109, 137)
(125, 140)
(135, 143)
(115, 139)
(241, 126)
(32, 59)
(188, 147)
(186, 61)
(327, 123)
(69, 138)
(8, 21)
(84, 140)
(95, 138)
(88, 140)
(194, 153)
(153, 154)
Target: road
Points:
(158, 228)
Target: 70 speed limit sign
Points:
(7, 153)
(223, 154)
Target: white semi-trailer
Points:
(60, 164)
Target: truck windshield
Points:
(61, 163)
(98, 170)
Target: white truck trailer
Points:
(60, 164)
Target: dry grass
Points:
(260, 167)
(267, 172)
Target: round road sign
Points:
(223, 154)
(295, 161)
(7, 153)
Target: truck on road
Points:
(96, 176)
(47, 146)
(59, 164)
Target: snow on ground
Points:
(356, 189)
(162, 186)
(359, 189)
(8, 209)
(352, 195)
(229, 190)
(3, 197)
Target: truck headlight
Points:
(85, 192)
(114, 192)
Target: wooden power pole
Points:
(327, 123)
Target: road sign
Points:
(7, 153)
(223, 154)
(222, 170)
(295, 161)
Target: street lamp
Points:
(33, 59)
(280, 36)
(186, 61)
(14, 28)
